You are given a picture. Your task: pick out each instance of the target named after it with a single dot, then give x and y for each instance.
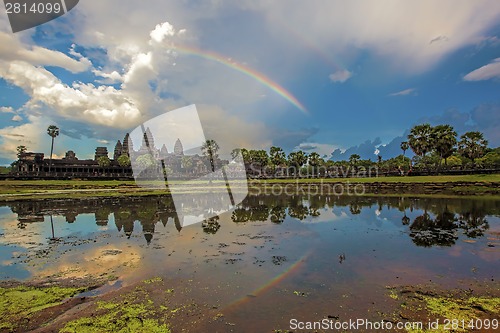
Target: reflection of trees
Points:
(473, 223)
(355, 208)
(211, 225)
(240, 215)
(426, 231)
(405, 219)
(278, 214)
(437, 226)
(299, 212)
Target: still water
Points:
(271, 257)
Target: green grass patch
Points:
(465, 311)
(120, 317)
(19, 303)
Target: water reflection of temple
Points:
(126, 212)
(438, 222)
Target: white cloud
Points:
(341, 76)
(392, 29)
(162, 31)
(406, 92)
(17, 118)
(111, 77)
(101, 105)
(29, 134)
(6, 109)
(11, 49)
(487, 72)
(323, 149)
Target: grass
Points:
(463, 312)
(416, 179)
(445, 311)
(19, 303)
(121, 317)
(62, 189)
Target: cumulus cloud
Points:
(487, 72)
(6, 109)
(17, 118)
(364, 150)
(324, 150)
(340, 76)
(406, 92)
(28, 134)
(102, 105)
(11, 49)
(161, 32)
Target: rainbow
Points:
(273, 282)
(210, 55)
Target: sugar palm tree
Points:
(445, 139)
(472, 145)
(314, 162)
(420, 139)
(404, 147)
(210, 149)
(52, 131)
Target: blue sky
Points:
(365, 71)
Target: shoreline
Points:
(462, 186)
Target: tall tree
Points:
(277, 156)
(420, 139)
(445, 139)
(354, 160)
(472, 145)
(314, 161)
(404, 147)
(258, 158)
(297, 159)
(21, 150)
(104, 161)
(124, 161)
(210, 149)
(53, 132)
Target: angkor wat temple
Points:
(34, 165)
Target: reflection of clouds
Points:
(93, 262)
(327, 215)
(30, 237)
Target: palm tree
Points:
(420, 139)
(277, 156)
(297, 159)
(210, 149)
(314, 161)
(354, 160)
(444, 137)
(52, 131)
(404, 147)
(472, 145)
